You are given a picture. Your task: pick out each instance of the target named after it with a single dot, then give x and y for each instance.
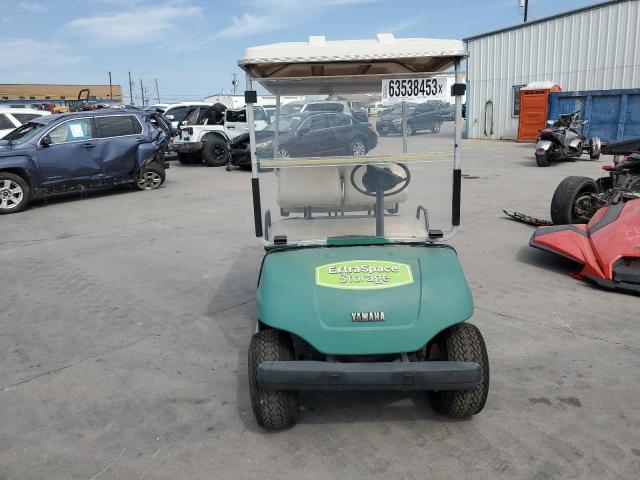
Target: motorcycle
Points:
(563, 140)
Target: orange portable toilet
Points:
(534, 106)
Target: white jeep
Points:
(210, 142)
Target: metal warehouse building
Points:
(592, 48)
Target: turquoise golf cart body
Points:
(358, 288)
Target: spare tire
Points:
(572, 202)
(215, 151)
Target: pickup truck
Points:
(210, 142)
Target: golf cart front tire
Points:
(463, 343)
(273, 409)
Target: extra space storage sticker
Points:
(363, 274)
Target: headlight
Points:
(397, 121)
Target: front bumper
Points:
(187, 147)
(388, 127)
(313, 375)
(240, 157)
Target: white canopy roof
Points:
(319, 57)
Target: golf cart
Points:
(358, 289)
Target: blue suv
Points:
(81, 151)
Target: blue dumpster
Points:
(614, 115)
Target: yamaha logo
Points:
(367, 316)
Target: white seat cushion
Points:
(309, 187)
(353, 198)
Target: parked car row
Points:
(419, 116)
(12, 118)
(70, 152)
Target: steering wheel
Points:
(381, 178)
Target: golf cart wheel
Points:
(463, 343)
(358, 147)
(15, 193)
(274, 410)
(572, 201)
(215, 152)
(151, 177)
(543, 159)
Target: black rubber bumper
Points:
(312, 375)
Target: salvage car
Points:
(209, 138)
(333, 106)
(81, 151)
(421, 116)
(308, 135)
(176, 113)
(12, 118)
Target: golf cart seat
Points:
(354, 200)
(317, 187)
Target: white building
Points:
(592, 48)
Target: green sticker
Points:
(363, 274)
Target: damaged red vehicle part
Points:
(608, 247)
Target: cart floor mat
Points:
(521, 217)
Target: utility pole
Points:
(142, 92)
(130, 89)
(110, 88)
(525, 4)
(157, 91)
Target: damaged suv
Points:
(81, 151)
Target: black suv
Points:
(421, 116)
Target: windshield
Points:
(286, 124)
(24, 132)
(290, 108)
(328, 177)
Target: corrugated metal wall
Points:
(597, 49)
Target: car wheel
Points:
(572, 201)
(273, 409)
(151, 177)
(358, 147)
(283, 153)
(215, 152)
(411, 130)
(462, 343)
(436, 128)
(542, 159)
(15, 193)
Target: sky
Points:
(192, 46)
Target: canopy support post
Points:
(255, 183)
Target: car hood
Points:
(9, 150)
(390, 116)
(261, 136)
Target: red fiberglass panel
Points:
(619, 238)
(571, 241)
